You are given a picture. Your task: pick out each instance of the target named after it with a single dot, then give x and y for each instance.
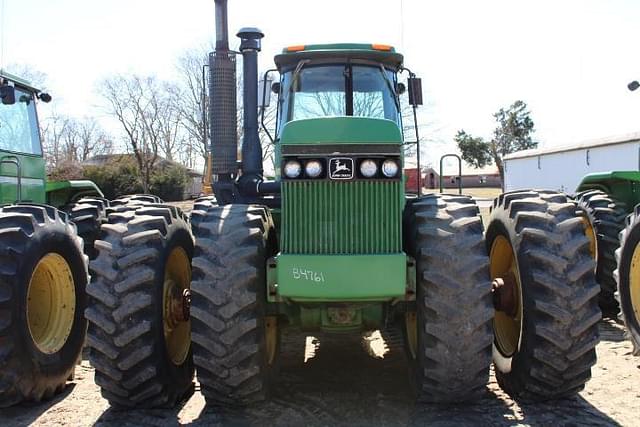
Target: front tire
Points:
(545, 294)
(139, 329)
(606, 218)
(449, 335)
(628, 277)
(43, 275)
(235, 343)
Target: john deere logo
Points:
(341, 168)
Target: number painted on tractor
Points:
(308, 275)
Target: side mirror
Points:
(8, 94)
(44, 97)
(264, 94)
(415, 91)
(633, 85)
(400, 88)
(275, 87)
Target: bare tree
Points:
(138, 103)
(190, 103)
(170, 121)
(93, 140)
(53, 129)
(66, 139)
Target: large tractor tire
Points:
(449, 335)
(88, 214)
(43, 275)
(545, 295)
(605, 219)
(628, 277)
(139, 328)
(235, 342)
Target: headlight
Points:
(313, 168)
(292, 169)
(368, 168)
(390, 168)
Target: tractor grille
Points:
(327, 217)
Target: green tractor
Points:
(335, 244)
(43, 270)
(605, 199)
(610, 201)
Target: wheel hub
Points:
(504, 294)
(176, 305)
(507, 296)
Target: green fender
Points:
(623, 186)
(61, 193)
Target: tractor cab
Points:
(21, 161)
(357, 80)
(22, 164)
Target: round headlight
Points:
(390, 168)
(292, 169)
(368, 168)
(313, 168)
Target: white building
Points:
(562, 168)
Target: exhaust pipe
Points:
(222, 102)
(222, 113)
(251, 148)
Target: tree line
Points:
(154, 120)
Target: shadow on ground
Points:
(337, 381)
(344, 385)
(26, 413)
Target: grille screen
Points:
(327, 217)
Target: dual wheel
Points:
(536, 318)
(151, 322)
(44, 257)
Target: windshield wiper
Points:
(294, 77)
(391, 88)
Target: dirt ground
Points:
(328, 382)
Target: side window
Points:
(19, 125)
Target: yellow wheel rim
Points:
(411, 326)
(51, 303)
(507, 328)
(175, 316)
(634, 282)
(271, 337)
(590, 232)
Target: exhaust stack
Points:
(222, 101)
(251, 148)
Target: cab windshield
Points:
(19, 126)
(339, 90)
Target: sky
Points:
(569, 60)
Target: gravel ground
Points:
(361, 382)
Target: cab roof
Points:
(340, 52)
(5, 76)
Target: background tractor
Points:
(610, 202)
(43, 271)
(335, 244)
(606, 199)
